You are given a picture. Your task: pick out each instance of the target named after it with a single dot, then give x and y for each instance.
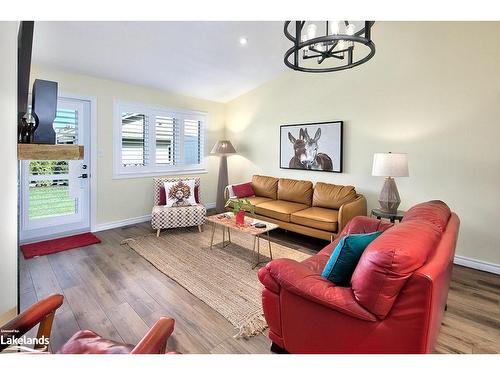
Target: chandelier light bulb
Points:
(334, 27)
(311, 31)
(349, 30)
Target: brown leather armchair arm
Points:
(41, 312)
(155, 341)
(347, 211)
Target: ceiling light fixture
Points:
(335, 45)
(243, 41)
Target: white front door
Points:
(55, 194)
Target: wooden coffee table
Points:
(227, 221)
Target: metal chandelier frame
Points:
(331, 41)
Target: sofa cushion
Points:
(389, 261)
(178, 217)
(295, 191)
(163, 195)
(435, 212)
(243, 190)
(345, 257)
(279, 210)
(253, 200)
(265, 186)
(180, 193)
(332, 196)
(317, 217)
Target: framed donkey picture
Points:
(314, 146)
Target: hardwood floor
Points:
(112, 290)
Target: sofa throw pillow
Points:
(243, 190)
(180, 193)
(345, 257)
(163, 195)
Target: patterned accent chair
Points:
(163, 217)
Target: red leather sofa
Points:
(396, 300)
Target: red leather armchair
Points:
(395, 303)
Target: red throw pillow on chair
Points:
(163, 196)
(243, 190)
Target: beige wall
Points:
(8, 187)
(432, 90)
(123, 199)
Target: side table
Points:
(379, 214)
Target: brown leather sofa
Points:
(319, 211)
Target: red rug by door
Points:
(59, 244)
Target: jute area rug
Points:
(222, 277)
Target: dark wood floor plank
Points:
(63, 328)
(44, 280)
(89, 314)
(26, 300)
(25, 282)
(129, 325)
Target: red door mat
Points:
(59, 244)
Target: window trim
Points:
(151, 111)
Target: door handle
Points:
(83, 175)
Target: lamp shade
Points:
(223, 147)
(390, 165)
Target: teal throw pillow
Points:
(345, 257)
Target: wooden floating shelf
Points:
(30, 151)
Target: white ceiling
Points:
(199, 59)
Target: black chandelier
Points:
(339, 45)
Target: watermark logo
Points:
(23, 343)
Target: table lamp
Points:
(222, 148)
(390, 165)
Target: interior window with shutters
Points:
(151, 140)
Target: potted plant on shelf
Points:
(240, 206)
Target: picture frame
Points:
(315, 146)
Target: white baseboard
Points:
(131, 221)
(120, 223)
(477, 264)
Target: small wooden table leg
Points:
(212, 238)
(257, 238)
(269, 242)
(229, 233)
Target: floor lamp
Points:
(222, 148)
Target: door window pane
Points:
(66, 126)
(48, 198)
